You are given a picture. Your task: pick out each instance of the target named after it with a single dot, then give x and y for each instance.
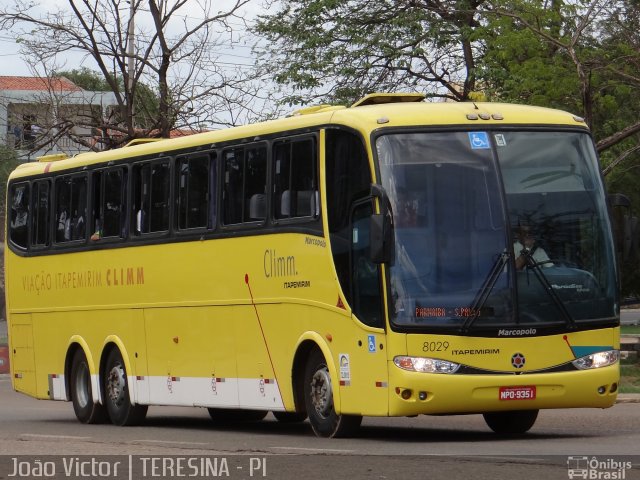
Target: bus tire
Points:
(84, 406)
(230, 416)
(290, 417)
(318, 399)
(116, 393)
(511, 423)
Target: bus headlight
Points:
(425, 365)
(597, 360)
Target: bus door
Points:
(368, 362)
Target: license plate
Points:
(518, 393)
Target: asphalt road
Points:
(630, 316)
(385, 448)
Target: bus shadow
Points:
(407, 434)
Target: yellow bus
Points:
(393, 258)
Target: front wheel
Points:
(511, 423)
(116, 393)
(84, 406)
(318, 398)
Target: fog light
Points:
(614, 388)
(422, 395)
(602, 389)
(406, 394)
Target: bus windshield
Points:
(497, 229)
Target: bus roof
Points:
(369, 114)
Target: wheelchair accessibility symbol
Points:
(479, 140)
(372, 344)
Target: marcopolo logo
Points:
(516, 332)
(597, 468)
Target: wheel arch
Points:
(76, 343)
(306, 343)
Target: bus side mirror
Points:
(381, 240)
(625, 226)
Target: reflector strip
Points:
(381, 384)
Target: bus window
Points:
(19, 215)
(295, 179)
(245, 180)
(71, 208)
(366, 295)
(40, 218)
(151, 197)
(108, 203)
(193, 192)
(348, 180)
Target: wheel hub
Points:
(116, 385)
(321, 392)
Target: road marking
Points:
(168, 443)
(57, 437)
(319, 450)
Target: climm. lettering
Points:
(125, 277)
(279, 266)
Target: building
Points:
(40, 116)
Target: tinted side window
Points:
(151, 196)
(109, 194)
(245, 180)
(295, 179)
(193, 192)
(71, 208)
(348, 179)
(19, 221)
(40, 220)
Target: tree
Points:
(337, 51)
(146, 102)
(173, 50)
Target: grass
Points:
(630, 375)
(630, 329)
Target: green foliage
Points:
(86, 79)
(338, 51)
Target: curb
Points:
(628, 398)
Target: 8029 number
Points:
(435, 346)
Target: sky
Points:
(12, 62)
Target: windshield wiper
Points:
(485, 290)
(542, 278)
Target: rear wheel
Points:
(86, 410)
(511, 423)
(230, 416)
(116, 393)
(318, 398)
